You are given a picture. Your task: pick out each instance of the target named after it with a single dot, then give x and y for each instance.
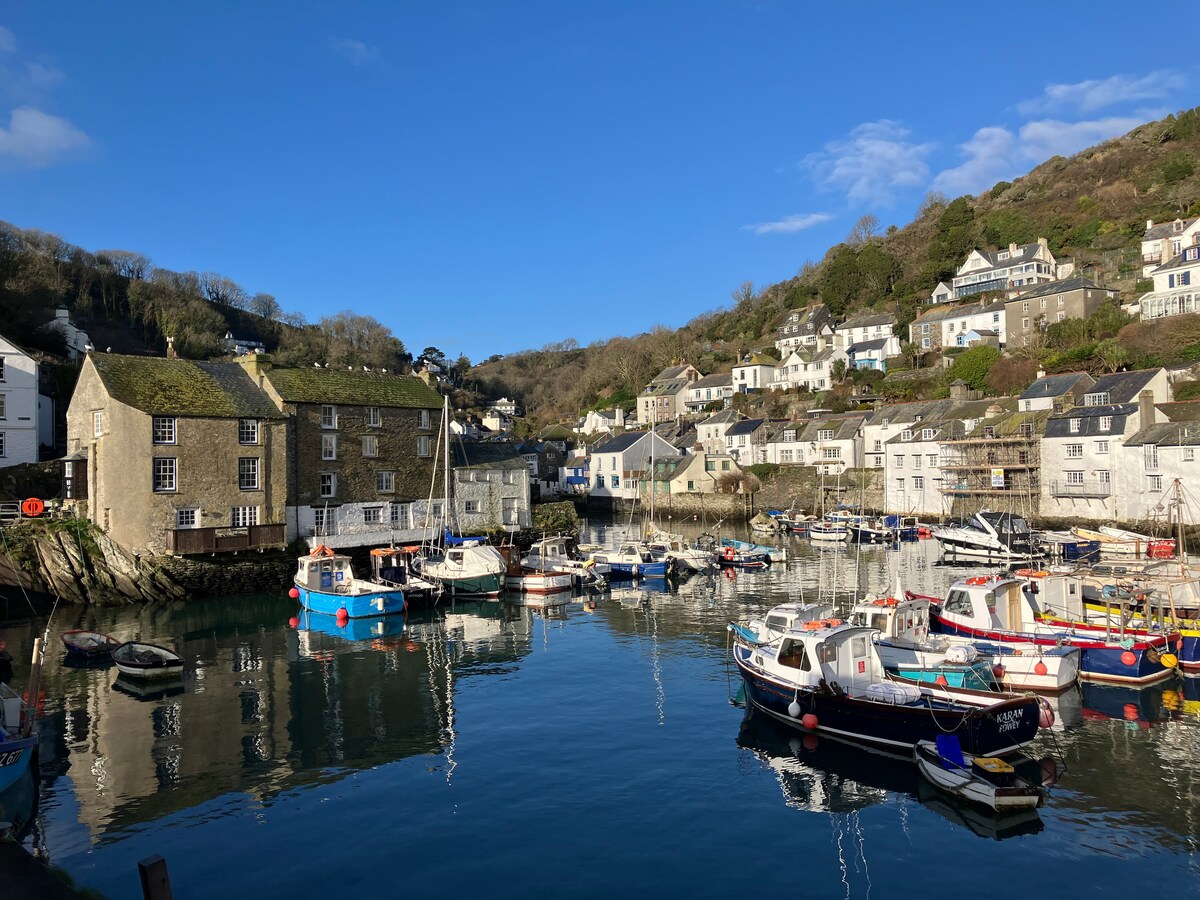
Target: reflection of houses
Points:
(491, 487)
(20, 419)
(180, 456)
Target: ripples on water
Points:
(574, 751)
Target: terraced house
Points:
(171, 455)
(362, 449)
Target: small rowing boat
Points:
(980, 779)
(141, 660)
(90, 645)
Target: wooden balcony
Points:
(191, 541)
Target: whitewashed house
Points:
(1127, 387)
(1176, 287)
(914, 482)
(1055, 391)
(1163, 242)
(709, 389)
(943, 293)
(602, 421)
(573, 476)
(19, 429)
(491, 487)
(886, 422)
(619, 464)
(76, 339)
(1079, 459)
(1010, 270)
(746, 441)
(665, 397)
(755, 372)
(698, 473)
(1152, 460)
(948, 326)
(868, 340)
(710, 433)
(831, 443)
(811, 327)
(804, 368)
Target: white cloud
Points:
(356, 52)
(790, 224)
(1088, 96)
(991, 156)
(8, 41)
(1049, 137)
(36, 139)
(42, 78)
(874, 161)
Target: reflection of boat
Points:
(18, 742)
(826, 677)
(325, 583)
(89, 645)
(991, 782)
(353, 629)
(1143, 706)
(149, 690)
(141, 660)
(983, 822)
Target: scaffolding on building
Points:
(996, 467)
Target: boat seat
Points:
(949, 752)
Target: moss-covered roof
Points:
(183, 387)
(353, 387)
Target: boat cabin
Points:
(898, 621)
(990, 602)
(1054, 593)
(547, 552)
(824, 651)
(324, 571)
(786, 617)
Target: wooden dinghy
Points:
(92, 645)
(980, 779)
(141, 660)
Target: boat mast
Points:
(446, 463)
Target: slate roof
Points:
(1049, 386)
(867, 321)
(487, 456)
(724, 417)
(620, 443)
(183, 387)
(1123, 387)
(942, 311)
(1180, 410)
(711, 381)
(1181, 261)
(672, 373)
(1166, 434)
(1076, 283)
(1166, 229)
(943, 430)
(992, 256)
(758, 358)
(355, 388)
(1059, 425)
(808, 319)
(746, 426)
(868, 346)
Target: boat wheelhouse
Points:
(325, 583)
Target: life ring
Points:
(811, 626)
(977, 580)
(730, 574)
(730, 553)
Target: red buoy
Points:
(343, 613)
(1046, 713)
(294, 593)
(998, 671)
(1129, 658)
(1131, 712)
(809, 721)
(294, 621)
(1040, 668)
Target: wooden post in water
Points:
(31, 692)
(156, 884)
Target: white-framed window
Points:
(163, 429)
(187, 518)
(906, 434)
(247, 431)
(1154, 483)
(918, 482)
(370, 445)
(1074, 426)
(1106, 423)
(470, 506)
(328, 484)
(243, 516)
(989, 431)
(1074, 451)
(423, 419)
(1074, 477)
(3, 445)
(916, 463)
(424, 447)
(1189, 453)
(1, 368)
(1101, 446)
(1105, 477)
(927, 434)
(329, 446)
(329, 416)
(789, 434)
(164, 474)
(402, 515)
(1025, 323)
(931, 458)
(1150, 456)
(831, 453)
(1100, 398)
(3, 406)
(899, 484)
(385, 482)
(97, 423)
(785, 456)
(248, 473)
(825, 434)
(374, 419)
(373, 515)
(1061, 316)
(898, 459)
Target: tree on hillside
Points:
(838, 370)
(972, 366)
(226, 291)
(266, 306)
(864, 229)
(744, 295)
(356, 340)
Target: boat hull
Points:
(357, 606)
(992, 731)
(965, 784)
(638, 569)
(541, 582)
(16, 754)
(89, 645)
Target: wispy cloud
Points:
(1050, 137)
(991, 156)
(1088, 96)
(790, 224)
(872, 163)
(35, 139)
(356, 52)
(8, 41)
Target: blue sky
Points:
(488, 177)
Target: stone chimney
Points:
(1149, 224)
(1041, 373)
(255, 364)
(1146, 410)
(1012, 249)
(1044, 244)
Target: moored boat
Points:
(996, 536)
(688, 557)
(824, 530)
(773, 554)
(89, 645)
(825, 677)
(980, 779)
(139, 659)
(324, 583)
(18, 740)
(631, 560)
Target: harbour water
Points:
(576, 751)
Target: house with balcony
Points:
(619, 464)
(811, 327)
(665, 397)
(831, 444)
(362, 449)
(1176, 287)
(1027, 316)
(1056, 392)
(1013, 270)
(23, 428)
(755, 372)
(492, 488)
(175, 456)
(573, 476)
(1164, 241)
(868, 340)
(709, 389)
(1153, 461)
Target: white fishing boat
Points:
(995, 536)
(556, 554)
(689, 557)
(987, 780)
(824, 530)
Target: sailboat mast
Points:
(446, 463)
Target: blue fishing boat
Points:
(325, 583)
(18, 743)
(631, 560)
(773, 554)
(732, 558)
(825, 677)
